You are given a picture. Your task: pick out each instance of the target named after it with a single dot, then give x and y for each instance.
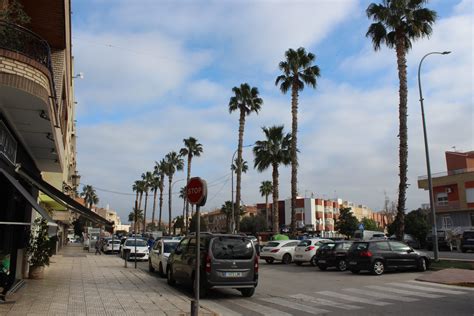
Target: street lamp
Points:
(428, 168)
(232, 184)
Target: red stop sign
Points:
(196, 191)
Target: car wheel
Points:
(169, 276)
(150, 266)
(342, 265)
(247, 292)
(298, 263)
(160, 271)
(355, 271)
(322, 267)
(377, 267)
(269, 260)
(313, 261)
(422, 266)
(286, 258)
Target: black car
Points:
(333, 254)
(227, 261)
(378, 256)
(467, 241)
(444, 243)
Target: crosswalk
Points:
(325, 302)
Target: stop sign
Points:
(196, 191)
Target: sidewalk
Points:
(80, 283)
(450, 277)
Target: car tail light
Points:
(365, 253)
(255, 265)
(208, 263)
(309, 248)
(275, 250)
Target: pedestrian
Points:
(5, 278)
(98, 245)
(150, 242)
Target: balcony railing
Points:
(447, 173)
(447, 205)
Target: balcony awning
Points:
(61, 198)
(31, 200)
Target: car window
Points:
(398, 246)
(358, 246)
(232, 248)
(156, 246)
(273, 244)
(328, 246)
(305, 243)
(346, 245)
(182, 245)
(382, 246)
(291, 244)
(169, 247)
(131, 242)
(191, 246)
(468, 235)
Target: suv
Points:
(227, 261)
(467, 241)
(443, 241)
(377, 256)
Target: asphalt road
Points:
(304, 290)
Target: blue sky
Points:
(156, 72)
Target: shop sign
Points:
(8, 144)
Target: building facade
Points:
(453, 191)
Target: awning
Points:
(31, 200)
(61, 198)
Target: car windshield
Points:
(168, 247)
(327, 246)
(273, 244)
(304, 243)
(232, 248)
(140, 243)
(358, 246)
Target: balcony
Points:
(446, 173)
(445, 206)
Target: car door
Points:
(406, 256)
(154, 254)
(382, 249)
(188, 260)
(177, 259)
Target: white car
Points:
(111, 245)
(141, 248)
(159, 255)
(305, 251)
(279, 250)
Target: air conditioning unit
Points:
(448, 190)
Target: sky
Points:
(156, 72)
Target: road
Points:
(304, 290)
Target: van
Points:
(227, 261)
(366, 234)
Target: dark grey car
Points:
(227, 261)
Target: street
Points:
(304, 290)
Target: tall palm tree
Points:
(140, 188)
(89, 195)
(160, 169)
(244, 166)
(297, 71)
(135, 216)
(396, 24)
(273, 151)
(136, 188)
(266, 189)
(245, 100)
(182, 195)
(154, 186)
(147, 179)
(191, 149)
(174, 163)
(226, 208)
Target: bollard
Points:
(126, 256)
(194, 308)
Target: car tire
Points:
(247, 292)
(169, 276)
(298, 263)
(286, 258)
(150, 266)
(377, 267)
(313, 261)
(355, 271)
(322, 267)
(270, 261)
(160, 271)
(422, 265)
(341, 265)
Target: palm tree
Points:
(266, 189)
(160, 169)
(147, 179)
(297, 71)
(140, 188)
(396, 24)
(136, 188)
(191, 149)
(89, 195)
(245, 100)
(135, 216)
(182, 195)
(155, 184)
(244, 166)
(174, 163)
(273, 151)
(226, 208)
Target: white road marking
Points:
(352, 298)
(221, 310)
(294, 305)
(324, 302)
(405, 292)
(381, 295)
(447, 286)
(261, 309)
(427, 289)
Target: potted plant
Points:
(39, 249)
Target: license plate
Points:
(298, 256)
(322, 261)
(232, 274)
(352, 262)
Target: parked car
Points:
(111, 245)
(377, 256)
(378, 236)
(279, 250)
(305, 251)
(444, 242)
(333, 254)
(142, 252)
(227, 261)
(159, 255)
(467, 241)
(409, 240)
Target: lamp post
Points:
(232, 184)
(428, 168)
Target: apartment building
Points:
(453, 191)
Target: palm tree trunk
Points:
(144, 212)
(266, 209)
(239, 170)
(161, 205)
(275, 199)
(154, 205)
(403, 134)
(140, 202)
(184, 213)
(293, 153)
(170, 179)
(186, 198)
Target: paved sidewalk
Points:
(81, 283)
(450, 276)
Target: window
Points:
(442, 198)
(273, 244)
(191, 246)
(382, 246)
(156, 246)
(232, 248)
(182, 245)
(472, 219)
(398, 246)
(304, 243)
(359, 246)
(328, 246)
(291, 244)
(470, 195)
(169, 246)
(343, 246)
(140, 242)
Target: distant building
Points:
(216, 220)
(453, 191)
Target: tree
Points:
(191, 149)
(160, 169)
(417, 224)
(178, 223)
(297, 71)
(226, 208)
(183, 195)
(243, 166)
(139, 188)
(174, 163)
(155, 184)
(136, 187)
(266, 189)
(39, 248)
(89, 195)
(78, 225)
(346, 224)
(192, 224)
(135, 217)
(273, 151)
(370, 224)
(396, 24)
(245, 100)
(12, 11)
(253, 224)
(147, 183)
